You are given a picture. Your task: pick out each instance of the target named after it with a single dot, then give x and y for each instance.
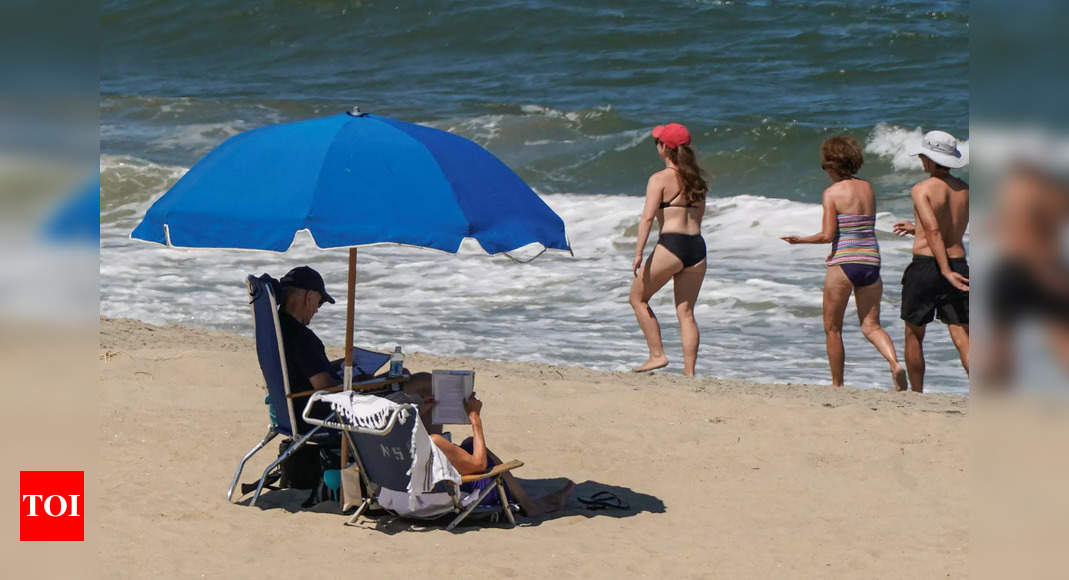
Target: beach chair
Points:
(384, 441)
(272, 357)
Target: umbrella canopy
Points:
(77, 220)
(349, 180)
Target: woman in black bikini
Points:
(675, 196)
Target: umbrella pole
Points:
(350, 312)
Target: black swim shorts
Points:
(925, 293)
(1018, 293)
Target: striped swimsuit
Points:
(856, 250)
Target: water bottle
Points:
(397, 363)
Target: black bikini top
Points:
(668, 203)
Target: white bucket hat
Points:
(941, 147)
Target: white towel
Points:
(435, 465)
(429, 465)
(365, 411)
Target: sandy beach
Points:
(724, 478)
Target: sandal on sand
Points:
(602, 500)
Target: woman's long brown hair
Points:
(691, 183)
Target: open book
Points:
(450, 390)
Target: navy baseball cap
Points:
(307, 279)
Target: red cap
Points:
(672, 135)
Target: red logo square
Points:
(51, 506)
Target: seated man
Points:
(307, 365)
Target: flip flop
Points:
(602, 500)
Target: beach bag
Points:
(352, 487)
(303, 469)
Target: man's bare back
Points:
(1031, 213)
(947, 197)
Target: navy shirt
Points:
(305, 357)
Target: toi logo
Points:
(51, 506)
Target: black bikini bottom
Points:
(688, 248)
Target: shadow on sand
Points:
(565, 505)
(623, 502)
(291, 500)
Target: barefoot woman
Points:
(676, 197)
(849, 224)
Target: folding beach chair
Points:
(272, 359)
(384, 444)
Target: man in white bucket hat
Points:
(937, 281)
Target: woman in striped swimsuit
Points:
(849, 224)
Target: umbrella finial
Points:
(355, 111)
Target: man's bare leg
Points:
(1058, 334)
(959, 333)
(915, 356)
(996, 366)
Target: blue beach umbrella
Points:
(351, 179)
(78, 219)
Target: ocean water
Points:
(565, 94)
